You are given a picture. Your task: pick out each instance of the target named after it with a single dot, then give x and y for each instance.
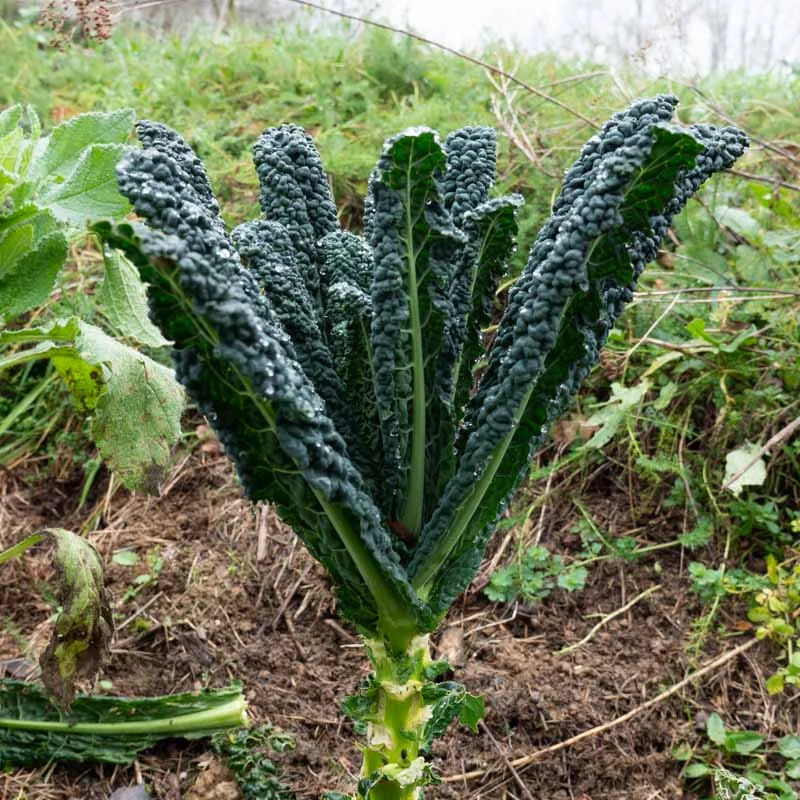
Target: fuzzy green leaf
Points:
(11, 148)
(124, 300)
(10, 119)
(136, 419)
(67, 142)
(90, 191)
(32, 252)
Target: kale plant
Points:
(340, 371)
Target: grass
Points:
(733, 262)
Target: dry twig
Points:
(526, 761)
(606, 618)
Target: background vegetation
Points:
(687, 426)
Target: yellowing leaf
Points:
(775, 683)
(135, 403)
(83, 629)
(82, 635)
(136, 422)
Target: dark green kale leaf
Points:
(239, 365)
(295, 193)
(412, 239)
(612, 213)
(491, 230)
(470, 172)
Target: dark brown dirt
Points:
(215, 612)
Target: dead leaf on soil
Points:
(451, 646)
(82, 635)
(215, 783)
(81, 639)
(566, 431)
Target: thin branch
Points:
(644, 298)
(119, 9)
(519, 781)
(731, 289)
(606, 618)
(763, 179)
(656, 323)
(525, 761)
(720, 113)
(779, 438)
(465, 56)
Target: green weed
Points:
(739, 764)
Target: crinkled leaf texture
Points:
(613, 210)
(339, 371)
(242, 368)
(413, 241)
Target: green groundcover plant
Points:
(349, 379)
(50, 187)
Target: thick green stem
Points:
(231, 715)
(405, 706)
(393, 768)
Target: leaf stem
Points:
(19, 548)
(396, 621)
(231, 714)
(421, 581)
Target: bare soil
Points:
(236, 597)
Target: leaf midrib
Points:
(415, 485)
